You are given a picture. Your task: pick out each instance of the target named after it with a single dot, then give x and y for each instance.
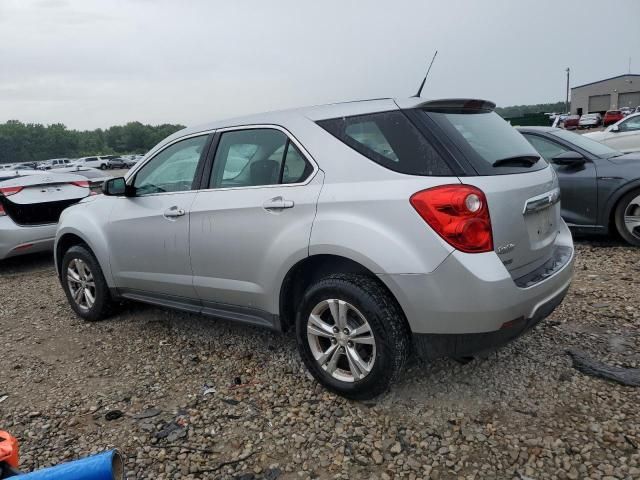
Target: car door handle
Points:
(277, 203)
(174, 212)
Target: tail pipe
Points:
(104, 466)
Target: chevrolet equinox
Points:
(373, 228)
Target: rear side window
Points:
(391, 140)
(546, 148)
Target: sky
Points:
(96, 63)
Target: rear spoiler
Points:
(449, 104)
(458, 104)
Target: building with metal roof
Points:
(608, 94)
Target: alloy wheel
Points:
(81, 283)
(632, 217)
(341, 340)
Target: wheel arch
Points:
(311, 269)
(67, 237)
(614, 200)
(64, 243)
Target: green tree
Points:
(20, 142)
(521, 110)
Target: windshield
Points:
(491, 144)
(591, 146)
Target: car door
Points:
(627, 137)
(253, 218)
(578, 184)
(148, 233)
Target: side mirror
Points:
(114, 187)
(571, 158)
(615, 128)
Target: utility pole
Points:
(566, 103)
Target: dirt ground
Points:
(182, 396)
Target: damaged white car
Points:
(30, 206)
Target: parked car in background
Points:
(93, 162)
(623, 135)
(571, 122)
(286, 220)
(600, 186)
(612, 116)
(25, 166)
(131, 160)
(30, 205)
(117, 162)
(627, 110)
(54, 163)
(96, 177)
(590, 120)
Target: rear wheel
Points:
(103, 167)
(352, 335)
(84, 284)
(627, 217)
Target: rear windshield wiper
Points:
(517, 161)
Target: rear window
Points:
(391, 140)
(484, 138)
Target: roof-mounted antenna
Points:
(417, 95)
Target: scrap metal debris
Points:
(149, 413)
(595, 368)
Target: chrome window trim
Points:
(291, 138)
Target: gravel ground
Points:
(188, 397)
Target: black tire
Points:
(386, 320)
(103, 305)
(103, 166)
(622, 206)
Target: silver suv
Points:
(373, 228)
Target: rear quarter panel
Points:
(364, 213)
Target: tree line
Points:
(522, 110)
(24, 142)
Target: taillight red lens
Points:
(459, 214)
(81, 183)
(2, 212)
(7, 191)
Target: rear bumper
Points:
(474, 293)
(430, 346)
(16, 240)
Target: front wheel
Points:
(84, 284)
(103, 167)
(352, 335)
(627, 217)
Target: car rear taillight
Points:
(7, 191)
(81, 183)
(459, 214)
(2, 212)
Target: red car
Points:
(571, 122)
(612, 116)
